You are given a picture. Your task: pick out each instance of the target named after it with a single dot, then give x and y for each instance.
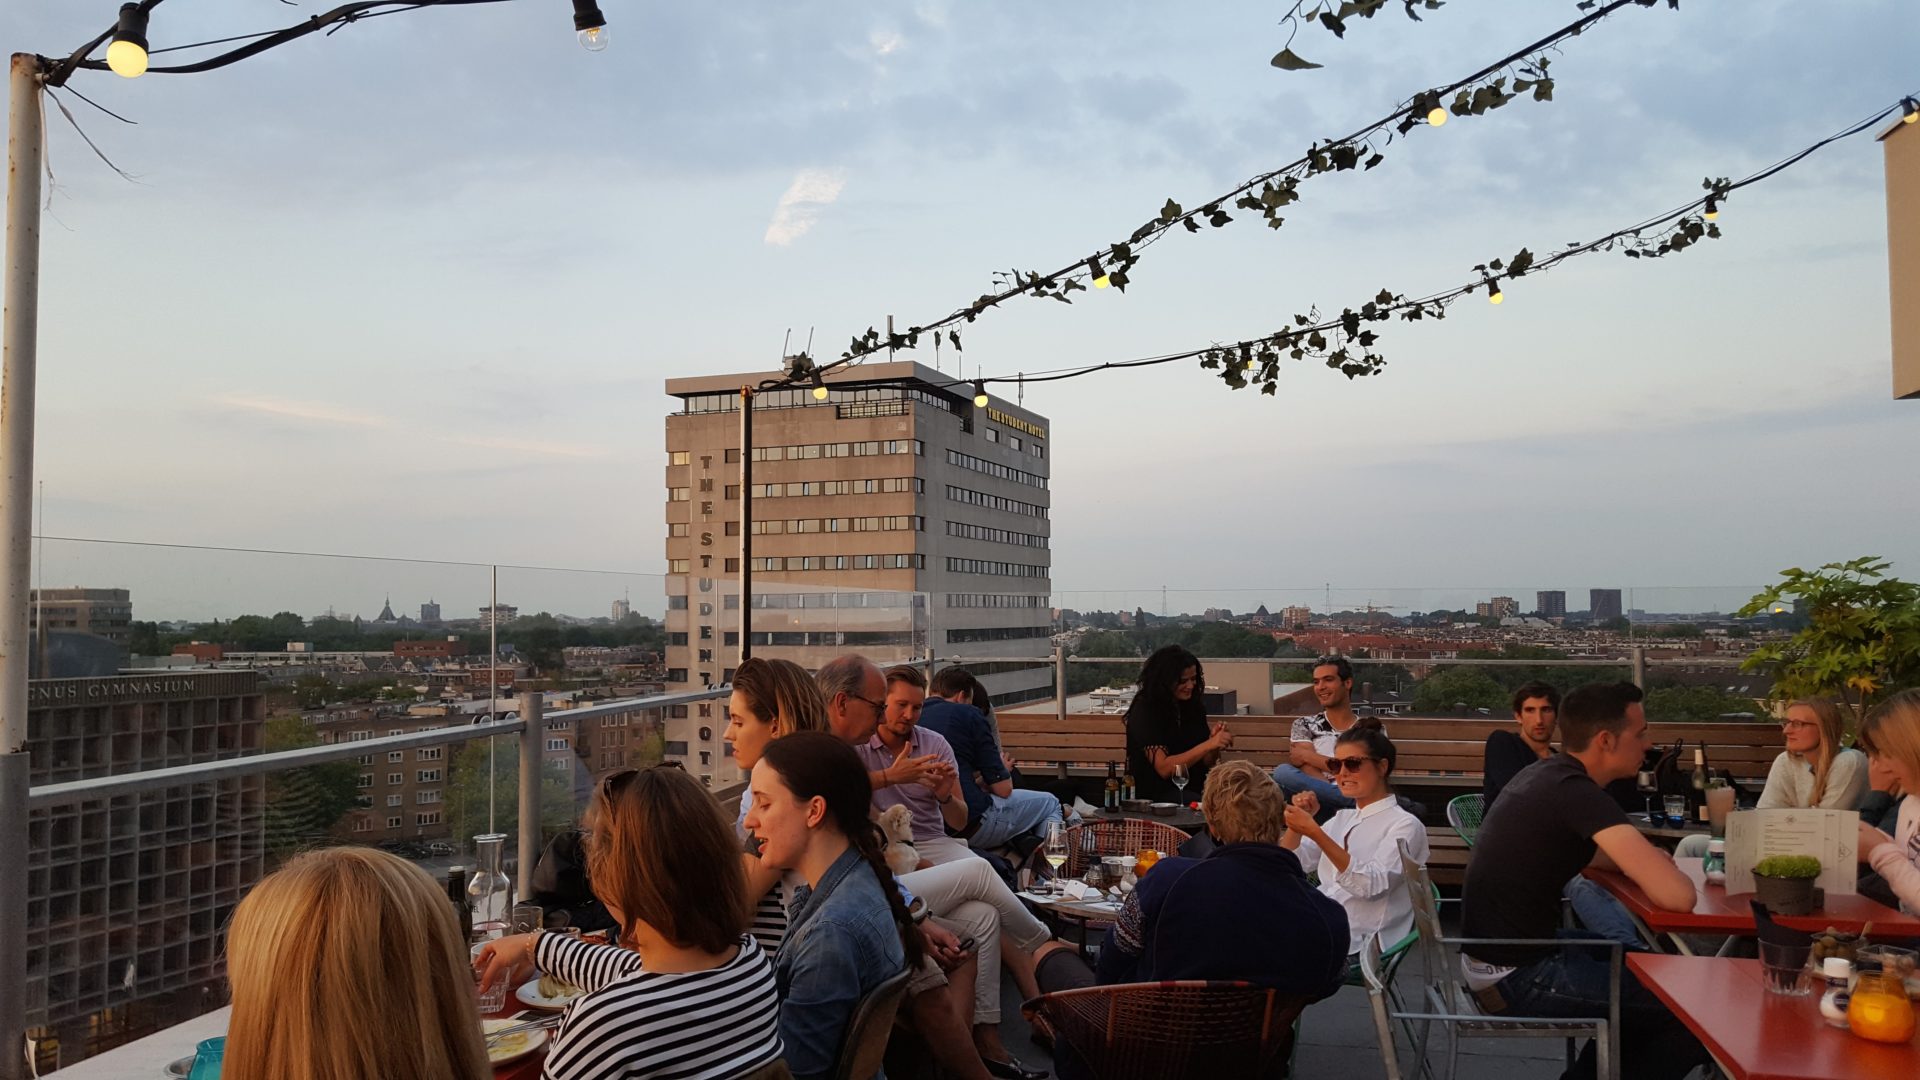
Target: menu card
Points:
(1827, 835)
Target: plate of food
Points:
(548, 992)
(512, 1047)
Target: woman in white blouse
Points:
(1815, 771)
(1356, 854)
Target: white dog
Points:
(896, 827)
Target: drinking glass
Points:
(1785, 967)
(1056, 850)
(1720, 801)
(490, 1001)
(1179, 779)
(1676, 806)
(526, 918)
(207, 1058)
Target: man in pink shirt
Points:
(916, 768)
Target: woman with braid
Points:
(848, 930)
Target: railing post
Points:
(1639, 667)
(1060, 683)
(21, 333)
(533, 743)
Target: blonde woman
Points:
(347, 964)
(771, 699)
(1815, 771)
(1891, 737)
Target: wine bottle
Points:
(457, 893)
(1697, 801)
(1112, 797)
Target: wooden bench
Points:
(1438, 758)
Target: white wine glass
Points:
(1179, 779)
(1056, 851)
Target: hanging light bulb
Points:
(1100, 278)
(589, 25)
(1713, 209)
(127, 55)
(1910, 110)
(1494, 295)
(820, 391)
(1246, 358)
(1436, 117)
(980, 393)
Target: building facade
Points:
(1603, 604)
(1551, 603)
(128, 897)
(105, 612)
(894, 518)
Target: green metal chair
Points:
(1464, 813)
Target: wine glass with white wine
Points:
(1056, 851)
(1179, 779)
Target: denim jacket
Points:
(841, 942)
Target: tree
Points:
(1451, 686)
(1675, 704)
(562, 800)
(1861, 639)
(303, 804)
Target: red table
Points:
(1715, 912)
(1757, 1035)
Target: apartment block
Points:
(1550, 603)
(1603, 604)
(402, 793)
(105, 612)
(127, 897)
(893, 518)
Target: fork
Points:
(524, 1025)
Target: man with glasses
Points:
(1309, 765)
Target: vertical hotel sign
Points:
(703, 637)
(1901, 145)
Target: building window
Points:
(676, 637)
(997, 633)
(678, 566)
(678, 674)
(427, 776)
(364, 802)
(991, 434)
(426, 798)
(995, 469)
(361, 824)
(423, 820)
(365, 759)
(732, 528)
(677, 494)
(679, 457)
(676, 603)
(555, 746)
(359, 736)
(429, 753)
(395, 757)
(995, 567)
(676, 528)
(969, 531)
(393, 801)
(995, 502)
(393, 823)
(395, 779)
(731, 491)
(366, 779)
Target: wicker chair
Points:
(1464, 814)
(1089, 841)
(1170, 1030)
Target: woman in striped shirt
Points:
(693, 999)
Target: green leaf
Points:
(1288, 60)
(1171, 211)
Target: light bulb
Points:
(1099, 273)
(1102, 281)
(1712, 211)
(979, 394)
(1436, 116)
(820, 392)
(593, 38)
(128, 59)
(1496, 296)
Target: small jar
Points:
(1833, 1003)
(1715, 865)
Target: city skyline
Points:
(1611, 417)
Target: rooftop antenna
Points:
(889, 339)
(1020, 390)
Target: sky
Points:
(413, 290)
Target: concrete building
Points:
(502, 615)
(1550, 603)
(128, 897)
(430, 649)
(107, 613)
(1296, 617)
(1503, 607)
(429, 614)
(893, 518)
(1603, 604)
(621, 609)
(403, 793)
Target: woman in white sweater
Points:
(1815, 771)
(1891, 734)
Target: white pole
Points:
(493, 688)
(22, 321)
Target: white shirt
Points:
(1371, 889)
(1790, 783)
(1899, 862)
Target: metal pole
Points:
(1640, 667)
(493, 687)
(746, 522)
(533, 745)
(24, 148)
(1060, 684)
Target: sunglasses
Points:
(1347, 764)
(617, 781)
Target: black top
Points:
(560, 885)
(974, 749)
(1507, 754)
(1529, 846)
(1174, 731)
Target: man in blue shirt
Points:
(997, 812)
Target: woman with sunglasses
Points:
(1356, 854)
(686, 994)
(848, 930)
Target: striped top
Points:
(632, 1024)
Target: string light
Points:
(1910, 110)
(1713, 210)
(589, 25)
(819, 390)
(127, 56)
(980, 393)
(1436, 117)
(1494, 295)
(1100, 278)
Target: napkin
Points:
(1083, 807)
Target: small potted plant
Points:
(1784, 884)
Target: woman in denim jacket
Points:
(848, 930)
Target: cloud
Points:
(885, 42)
(800, 206)
(314, 411)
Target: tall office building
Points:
(128, 897)
(105, 612)
(895, 518)
(1603, 604)
(1550, 603)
